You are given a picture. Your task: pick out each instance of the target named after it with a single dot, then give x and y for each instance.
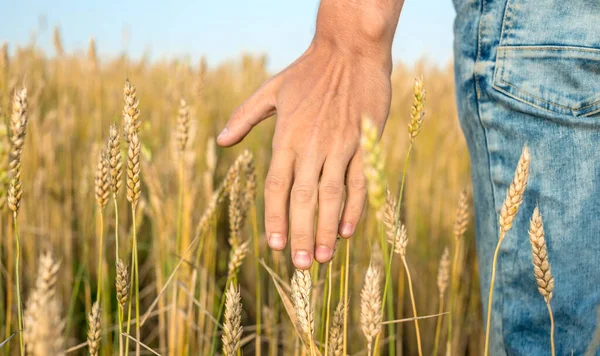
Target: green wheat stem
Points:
(397, 225)
(438, 327)
(257, 282)
(100, 257)
(18, 284)
(328, 309)
(453, 292)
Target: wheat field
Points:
(138, 235)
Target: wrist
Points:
(360, 28)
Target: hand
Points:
(320, 100)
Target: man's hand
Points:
(320, 100)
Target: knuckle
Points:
(358, 183)
(274, 183)
(328, 232)
(301, 237)
(274, 219)
(331, 190)
(303, 193)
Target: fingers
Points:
(331, 194)
(302, 210)
(277, 192)
(356, 189)
(256, 108)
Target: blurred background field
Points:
(73, 98)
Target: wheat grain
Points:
(373, 163)
(462, 215)
(301, 287)
(183, 126)
(235, 211)
(541, 264)
(18, 130)
(57, 41)
(336, 336)
(4, 155)
(232, 327)
(371, 305)
(43, 324)
(94, 331)
(416, 110)
(443, 276)
(396, 235)
(514, 195)
(238, 254)
(102, 180)
(131, 113)
(122, 284)
(133, 169)
(114, 160)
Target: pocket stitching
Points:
(573, 111)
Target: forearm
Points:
(361, 27)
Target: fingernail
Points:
(302, 259)
(223, 133)
(323, 253)
(346, 229)
(276, 241)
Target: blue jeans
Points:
(528, 72)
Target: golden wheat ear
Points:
(371, 305)
(232, 327)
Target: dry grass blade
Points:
(232, 327)
(94, 330)
(370, 305)
(141, 344)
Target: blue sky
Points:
(218, 29)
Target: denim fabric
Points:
(528, 72)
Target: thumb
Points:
(255, 109)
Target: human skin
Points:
(320, 100)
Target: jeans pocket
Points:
(555, 80)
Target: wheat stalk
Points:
(232, 327)
(235, 212)
(371, 306)
(183, 126)
(510, 207)
(373, 163)
(43, 324)
(541, 265)
(122, 284)
(301, 288)
(461, 222)
(238, 254)
(443, 278)
(102, 180)
(133, 170)
(131, 113)
(416, 110)
(18, 130)
(95, 328)
(336, 337)
(114, 160)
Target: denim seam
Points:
(550, 48)
(477, 77)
